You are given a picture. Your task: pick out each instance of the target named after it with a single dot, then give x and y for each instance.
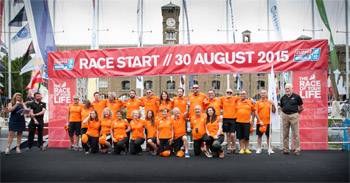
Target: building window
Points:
(215, 84)
(261, 74)
(170, 85)
(260, 84)
(195, 82)
(125, 85)
(103, 83)
(148, 84)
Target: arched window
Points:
(170, 85)
(125, 85)
(148, 84)
(215, 84)
(260, 84)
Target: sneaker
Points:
(270, 151)
(224, 143)
(208, 154)
(285, 152)
(154, 153)
(42, 148)
(258, 151)
(7, 150)
(241, 151)
(87, 152)
(247, 151)
(297, 153)
(18, 150)
(187, 155)
(221, 154)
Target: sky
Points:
(73, 19)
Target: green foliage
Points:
(19, 82)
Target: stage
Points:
(66, 165)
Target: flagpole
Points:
(268, 19)
(313, 18)
(9, 52)
(347, 50)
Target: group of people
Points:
(19, 110)
(112, 124)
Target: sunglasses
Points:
(195, 87)
(229, 92)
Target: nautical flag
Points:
(23, 33)
(34, 64)
(273, 11)
(41, 27)
(36, 78)
(333, 52)
(19, 18)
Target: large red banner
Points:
(61, 92)
(312, 87)
(200, 59)
(308, 58)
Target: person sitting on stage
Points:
(165, 103)
(165, 132)
(92, 133)
(180, 139)
(137, 133)
(120, 128)
(214, 137)
(151, 127)
(198, 131)
(74, 122)
(245, 115)
(263, 108)
(106, 123)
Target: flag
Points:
(36, 78)
(19, 18)
(333, 52)
(273, 11)
(23, 33)
(17, 2)
(184, 6)
(33, 64)
(41, 28)
(232, 23)
(30, 50)
(238, 82)
(139, 84)
(272, 95)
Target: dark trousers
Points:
(210, 140)
(120, 146)
(197, 145)
(32, 128)
(135, 145)
(164, 145)
(91, 145)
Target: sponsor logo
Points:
(310, 87)
(312, 54)
(65, 64)
(62, 93)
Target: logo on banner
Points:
(310, 87)
(312, 54)
(62, 94)
(65, 64)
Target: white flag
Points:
(273, 10)
(274, 117)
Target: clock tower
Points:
(170, 13)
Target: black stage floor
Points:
(65, 165)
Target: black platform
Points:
(66, 165)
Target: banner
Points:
(189, 59)
(312, 87)
(61, 92)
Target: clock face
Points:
(170, 22)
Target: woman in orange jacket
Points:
(120, 128)
(92, 133)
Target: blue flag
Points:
(23, 33)
(41, 28)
